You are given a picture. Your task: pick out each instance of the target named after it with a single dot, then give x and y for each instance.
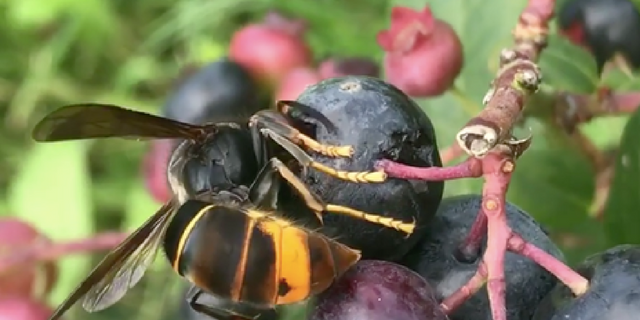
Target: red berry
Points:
(423, 55)
(295, 82)
(269, 50)
(21, 308)
(355, 66)
(15, 237)
(378, 290)
(155, 170)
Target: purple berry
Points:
(438, 259)
(606, 28)
(380, 121)
(378, 290)
(614, 291)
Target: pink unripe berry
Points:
(154, 168)
(21, 308)
(423, 55)
(17, 236)
(269, 50)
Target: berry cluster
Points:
(477, 257)
(423, 57)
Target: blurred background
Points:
(134, 53)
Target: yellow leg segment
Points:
(384, 221)
(357, 177)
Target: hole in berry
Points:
(586, 271)
(467, 254)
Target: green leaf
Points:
(33, 86)
(135, 70)
(4, 208)
(140, 205)
(620, 81)
(193, 18)
(203, 50)
(606, 131)
(51, 190)
(621, 218)
(32, 13)
(556, 187)
(332, 22)
(568, 67)
(295, 311)
(562, 178)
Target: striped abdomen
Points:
(252, 256)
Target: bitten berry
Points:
(423, 55)
(15, 237)
(378, 290)
(154, 168)
(437, 259)
(614, 291)
(269, 50)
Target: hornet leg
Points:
(313, 201)
(306, 161)
(296, 110)
(277, 123)
(215, 312)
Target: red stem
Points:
(496, 168)
(574, 281)
(497, 174)
(55, 251)
(474, 284)
(470, 247)
(471, 168)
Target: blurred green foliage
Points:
(131, 53)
